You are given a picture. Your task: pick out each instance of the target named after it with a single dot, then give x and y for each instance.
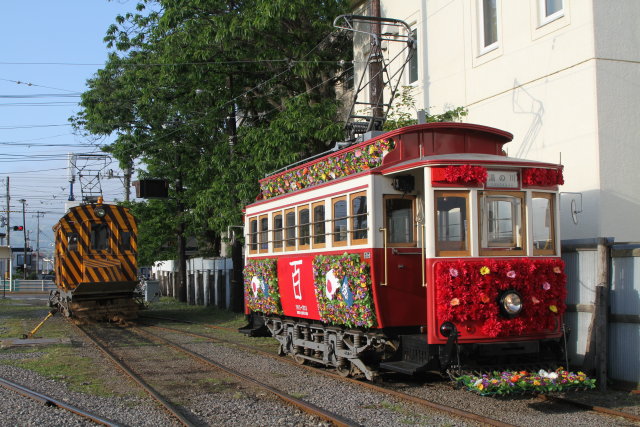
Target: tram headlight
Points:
(510, 303)
(447, 328)
(100, 212)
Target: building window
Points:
(100, 237)
(501, 223)
(253, 235)
(290, 229)
(550, 10)
(339, 221)
(413, 58)
(304, 227)
(399, 218)
(277, 232)
(359, 218)
(319, 233)
(452, 223)
(488, 25)
(542, 218)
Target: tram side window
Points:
(339, 221)
(400, 220)
(72, 241)
(253, 235)
(125, 241)
(290, 229)
(501, 222)
(543, 224)
(452, 223)
(263, 237)
(277, 232)
(319, 233)
(99, 237)
(304, 227)
(359, 218)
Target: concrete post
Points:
(206, 291)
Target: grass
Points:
(170, 307)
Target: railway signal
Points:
(18, 228)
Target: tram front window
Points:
(501, 221)
(452, 222)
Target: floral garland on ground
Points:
(261, 286)
(502, 383)
(468, 291)
(542, 177)
(355, 160)
(343, 290)
(465, 174)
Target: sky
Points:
(48, 50)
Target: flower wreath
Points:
(467, 291)
(261, 286)
(338, 166)
(343, 290)
(542, 177)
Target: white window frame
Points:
(542, 11)
(481, 25)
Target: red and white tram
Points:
(421, 249)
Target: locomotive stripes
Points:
(79, 259)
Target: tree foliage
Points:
(183, 75)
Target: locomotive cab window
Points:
(125, 241)
(99, 238)
(72, 241)
(452, 223)
(501, 223)
(399, 219)
(542, 217)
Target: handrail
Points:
(384, 245)
(424, 282)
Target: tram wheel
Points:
(344, 371)
(299, 359)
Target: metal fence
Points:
(27, 286)
(603, 308)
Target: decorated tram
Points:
(424, 248)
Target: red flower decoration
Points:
(465, 174)
(475, 294)
(542, 177)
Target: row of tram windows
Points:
(336, 222)
(502, 223)
(100, 236)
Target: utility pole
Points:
(375, 70)
(10, 267)
(38, 214)
(24, 231)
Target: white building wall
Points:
(567, 90)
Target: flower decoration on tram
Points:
(453, 272)
(471, 298)
(465, 174)
(541, 177)
(351, 301)
(334, 167)
(520, 382)
(261, 286)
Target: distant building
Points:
(561, 75)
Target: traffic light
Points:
(18, 228)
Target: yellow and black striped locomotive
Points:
(95, 263)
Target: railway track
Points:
(401, 395)
(176, 411)
(449, 410)
(50, 401)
